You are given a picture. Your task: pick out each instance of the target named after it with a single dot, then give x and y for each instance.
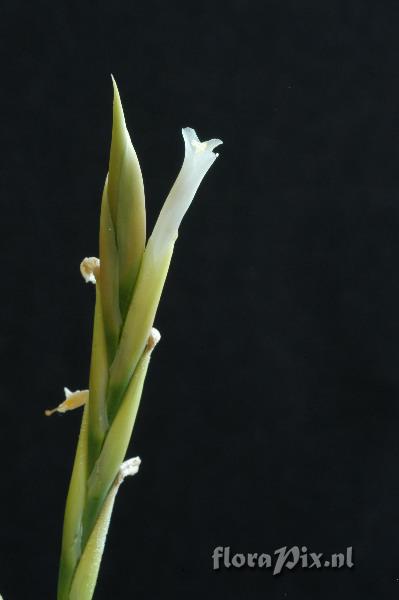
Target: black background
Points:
(270, 415)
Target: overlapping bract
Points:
(129, 280)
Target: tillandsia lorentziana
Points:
(129, 277)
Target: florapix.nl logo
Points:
(282, 558)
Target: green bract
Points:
(129, 278)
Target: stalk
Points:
(129, 279)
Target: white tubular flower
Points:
(198, 159)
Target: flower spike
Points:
(129, 277)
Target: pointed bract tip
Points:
(114, 85)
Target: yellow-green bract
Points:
(129, 278)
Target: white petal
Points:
(198, 158)
(128, 468)
(89, 268)
(153, 339)
(72, 400)
(193, 144)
